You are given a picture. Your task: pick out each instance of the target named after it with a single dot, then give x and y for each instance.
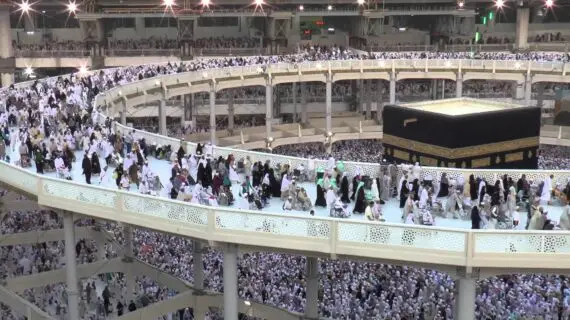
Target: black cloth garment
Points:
(344, 190)
(201, 172)
(475, 218)
(180, 155)
(360, 204)
(95, 165)
(403, 193)
(472, 187)
(320, 201)
(87, 169)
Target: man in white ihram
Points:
(546, 191)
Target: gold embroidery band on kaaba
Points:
(460, 153)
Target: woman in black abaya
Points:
(473, 187)
(344, 189)
(475, 218)
(403, 193)
(443, 186)
(95, 165)
(320, 202)
(360, 203)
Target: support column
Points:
(540, 95)
(128, 259)
(361, 95)
(459, 85)
(199, 311)
(434, 89)
(295, 111)
(379, 102)
(198, 266)
(268, 108)
(312, 303)
(304, 116)
(465, 300)
(123, 112)
(231, 111)
(6, 49)
(392, 88)
(162, 117)
(213, 115)
(194, 121)
(523, 17)
(188, 101)
(528, 90)
(519, 90)
(368, 99)
(230, 282)
(71, 267)
(328, 105)
(443, 89)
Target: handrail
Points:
(335, 237)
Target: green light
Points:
(485, 21)
(477, 36)
(491, 14)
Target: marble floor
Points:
(392, 212)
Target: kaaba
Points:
(462, 133)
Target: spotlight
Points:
(25, 6)
(247, 303)
(168, 3)
(72, 7)
(258, 3)
(205, 3)
(301, 8)
(29, 71)
(460, 4)
(329, 7)
(549, 3)
(360, 2)
(157, 82)
(499, 3)
(83, 70)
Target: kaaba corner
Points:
(462, 133)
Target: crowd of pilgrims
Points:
(54, 118)
(348, 289)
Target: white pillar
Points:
(162, 117)
(268, 108)
(379, 102)
(328, 106)
(442, 88)
(128, 259)
(6, 50)
(392, 88)
(519, 90)
(304, 117)
(212, 116)
(361, 95)
(71, 267)
(523, 16)
(294, 92)
(368, 99)
(465, 300)
(528, 90)
(230, 283)
(231, 111)
(123, 112)
(312, 303)
(459, 85)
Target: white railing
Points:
(291, 232)
(430, 245)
